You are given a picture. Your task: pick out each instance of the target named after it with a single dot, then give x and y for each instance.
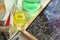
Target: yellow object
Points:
(19, 18)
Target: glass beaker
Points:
(19, 18)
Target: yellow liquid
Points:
(19, 19)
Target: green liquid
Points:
(31, 5)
